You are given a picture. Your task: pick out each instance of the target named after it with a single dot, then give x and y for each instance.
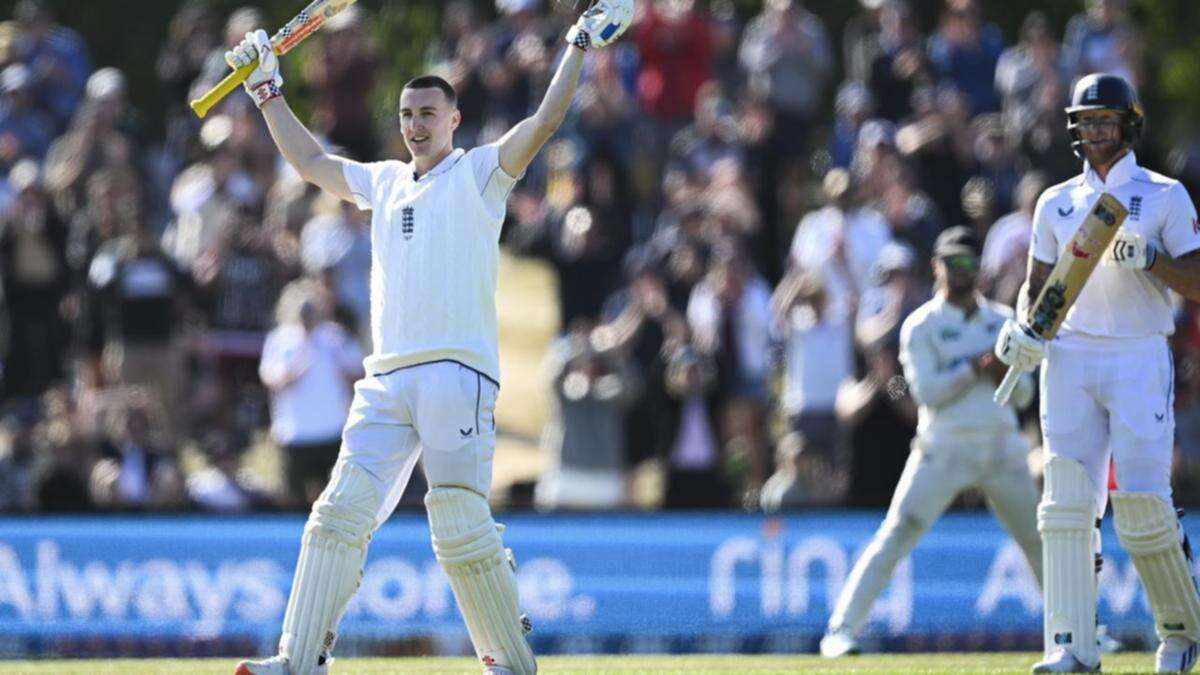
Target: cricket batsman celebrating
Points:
(1107, 385)
(432, 380)
(964, 438)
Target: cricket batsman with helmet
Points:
(1107, 384)
(433, 377)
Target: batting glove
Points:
(1131, 251)
(601, 24)
(1017, 348)
(263, 84)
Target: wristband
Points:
(581, 39)
(265, 91)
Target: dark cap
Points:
(958, 240)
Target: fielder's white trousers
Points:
(442, 408)
(994, 463)
(1105, 397)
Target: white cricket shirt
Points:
(313, 408)
(1116, 302)
(819, 357)
(937, 344)
(434, 258)
(865, 232)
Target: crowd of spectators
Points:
(739, 212)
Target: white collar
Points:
(1120, 173)
(442, 166)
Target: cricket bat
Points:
(293, 33)
(1068, 277)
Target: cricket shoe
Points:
(1176, 654)
(838, 644)
(1063, 661)
(276, 665)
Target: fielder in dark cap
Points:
(964, 439)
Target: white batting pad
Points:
(1149, 531)
(330, 566)
(1066, 519)
(467, 544)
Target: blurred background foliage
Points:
(129, 34)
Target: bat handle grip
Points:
(213, 96)
(1005, 390)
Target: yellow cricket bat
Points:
(1068, 277)
(293, 33)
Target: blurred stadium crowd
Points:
(734, 254)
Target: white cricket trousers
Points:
(932, 478)
(442, 408)
(1105, 397)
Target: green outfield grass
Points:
(896, 664)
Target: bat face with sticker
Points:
(1068, 277)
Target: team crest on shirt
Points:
(406, 222)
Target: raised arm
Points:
(303, 152)
(294, 141)
(519, 146)
(599, 26)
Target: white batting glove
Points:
(601, 24)
(263, 84)
(1017, 348)
(1131, 251)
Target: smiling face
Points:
(427, 121)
